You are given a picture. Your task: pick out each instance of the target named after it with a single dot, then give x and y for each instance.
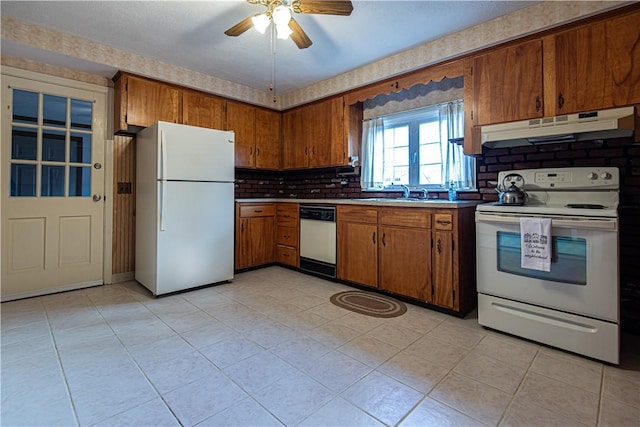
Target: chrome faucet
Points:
(406, 192)
(425, 193)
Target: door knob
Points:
(97, 197)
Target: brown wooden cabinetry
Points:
(255, 234)
(313, 135)
(203, 110)
(140, 102)
(405, 252)
(257, 135)
(357, 236)
(508, 84)
(287, 233)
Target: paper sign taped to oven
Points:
(535, 235)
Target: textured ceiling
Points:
(190, 34)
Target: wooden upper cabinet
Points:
(576, 71)
(623, 59)
(140, 102)
(267, 139)
(508, 84)
(313, 135)
(241, 118)
(202, 110)
(294, 144)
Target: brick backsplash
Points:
(622, 153)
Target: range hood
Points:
(614, 123)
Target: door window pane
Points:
(52, 183)
(54, 111)
(23, 180)
(79, 181)
(80, 149)
(81, 114)
(24, 143)
(25, 106)
(53, 145)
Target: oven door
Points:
(584, 268)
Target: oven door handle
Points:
(573, 222)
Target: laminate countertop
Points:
(375, 201)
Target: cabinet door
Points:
(294, 140)
(324, 122)
(148, 102)
(623, 58)
(358, 253)
(579, 70)
(267, 141)
(405, 261)
(255, 241)
(202, 110)
(241, 119)
(508, 84)
(443, 280)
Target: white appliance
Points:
(574, 306)
(613, 123)
(318, 239)
(184, 207)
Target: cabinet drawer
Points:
(357, 214)
(252, 211)
(406, 217)
(443, 221)
(287, 255)
(288, 236)
(287, 214)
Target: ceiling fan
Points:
(279, 12)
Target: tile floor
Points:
(270, 349)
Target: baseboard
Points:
(123, 277)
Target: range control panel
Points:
(591, 178)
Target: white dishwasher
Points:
(318, 239)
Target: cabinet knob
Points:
(560, 101)
(538, 104)
(439, 246)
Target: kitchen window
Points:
(417, 148)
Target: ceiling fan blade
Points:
(323, 7)
(298, 36)
(240, 27)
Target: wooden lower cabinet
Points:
(255, 234)
(357, 237)
(405, 261)
(443, 280)
(288, 233)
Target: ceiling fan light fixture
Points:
(261, 22)
(283, 31)
(281, 15)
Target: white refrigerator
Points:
(184, 207)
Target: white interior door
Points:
(52, 187)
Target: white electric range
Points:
(575, 305)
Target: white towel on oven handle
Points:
(535, 243)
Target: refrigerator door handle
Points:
(163, 156)
(163, 203)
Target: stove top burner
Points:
(584, 206)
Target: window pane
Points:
(54, 111)
(430, 153)
(23, 180)
(430, 174)
(401, 175)
(24, 143)
(80, 150)
(429, 132)
(53, 145)
(25, 106)
(81, 114)
(52, 181)
(79, 181)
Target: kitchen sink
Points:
(399, 199)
